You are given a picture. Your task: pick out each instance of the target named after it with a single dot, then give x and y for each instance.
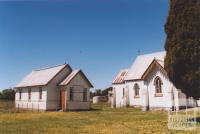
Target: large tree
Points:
(182, 61)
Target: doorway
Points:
(62, 99)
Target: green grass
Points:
(100, 120)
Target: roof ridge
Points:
(125, 69)
(151, 53)
(50, 67)
(68, 79)
(76, 70)
(158, 59)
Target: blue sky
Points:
(99, 36)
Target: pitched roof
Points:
(41, 77)
(71, 76)
(151, 67)
(142, 62)
(120, 77)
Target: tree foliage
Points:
(100, 92)
(7, 94)
(182, 61)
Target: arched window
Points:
(136, 89)
(158, 85)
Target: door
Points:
(62, 99)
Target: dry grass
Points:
(101, 120)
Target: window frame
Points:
(71, 94)
(158, 87)
(20, 94)
(123, 92)
(29, 94)
(40, 93)
(136, 90)
(85, 95)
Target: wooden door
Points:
(62, 99)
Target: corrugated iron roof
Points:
(142, 62)
(120, 77)
(41, 77)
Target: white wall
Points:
(120, 100)
(78, 84)
(137, 101)
(147, 93)
(175, 98)
(77, 103)
(53, 93)
(159, 102)
(34, 102)
(50, 95)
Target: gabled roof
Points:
(41, 77)
(120, 77)
(142, 62)
(71, 76)
(154, 64)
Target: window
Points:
(71, 96)
(20, 94)
(85, 94)
(158, 85)
(136, 89)
(29, 94)
(123, 92)
(40, 93)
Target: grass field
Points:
(100, 120)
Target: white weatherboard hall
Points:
(147, 85)
(54, 88)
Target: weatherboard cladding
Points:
(69, 77)
(73, 74)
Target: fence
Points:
(184, 119)
(7, 106)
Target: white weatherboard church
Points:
(147, 85)
(54, 88)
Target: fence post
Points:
(56, 106)
(18, 108)
(38, 107)
(8, 106)
(32, 107)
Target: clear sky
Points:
(99, 36)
